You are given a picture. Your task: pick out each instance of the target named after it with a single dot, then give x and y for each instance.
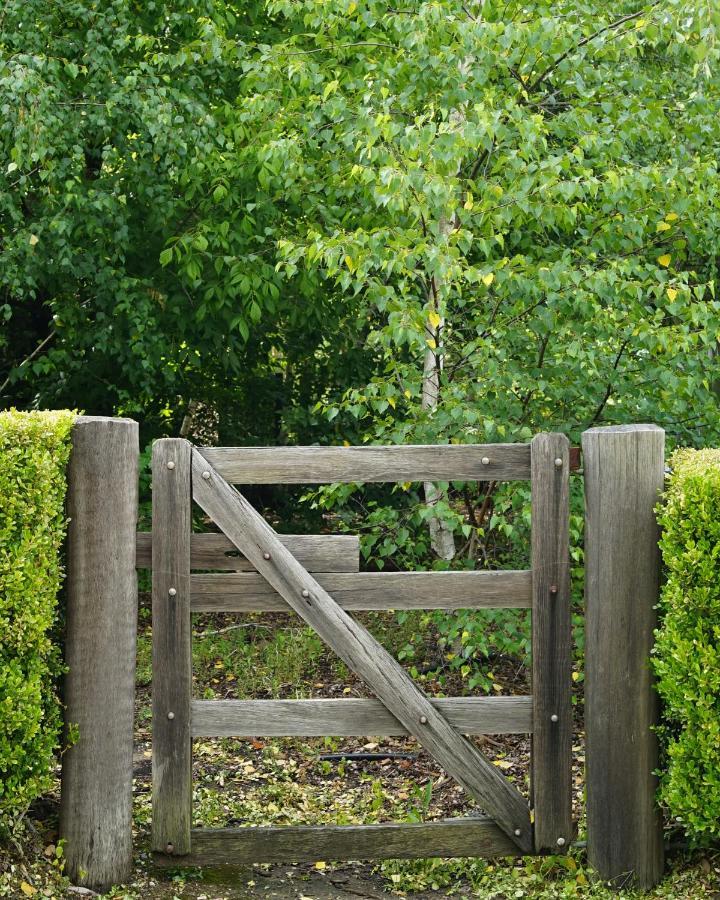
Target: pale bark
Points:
(442, 539)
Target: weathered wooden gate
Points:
(303, 574)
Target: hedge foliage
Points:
(34, 450)
(687, 654)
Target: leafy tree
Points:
(110, 111)
(517, 204)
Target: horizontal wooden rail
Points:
(371, 590)
(470, 836)
(318, 465)
(316, 552)
(351, 717)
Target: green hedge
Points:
(34, 450)
(687, 654)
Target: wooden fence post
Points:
(624, 471)
(101, 629)
(172, 647)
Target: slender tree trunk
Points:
(442, 539)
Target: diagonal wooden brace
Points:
(460, 758)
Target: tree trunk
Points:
(442, 539)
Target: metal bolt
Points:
(486, 460)
(171, 715)
(423, 720)
(172, 592)
(518, 832)
(206, 475)
(306, 593)
(553, 589)
(558, 463)
(553, 718)
(169, 848)
(171, 465)
(266, 556)
(560, 842)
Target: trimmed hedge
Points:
(34, 450)
(687, 653)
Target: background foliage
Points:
(34, 449)
(279, 207)
(687, 660)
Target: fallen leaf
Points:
(27, 889)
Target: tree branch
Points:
(29, 358)
(563, 56)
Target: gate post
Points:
(100, 638)
(624, 472)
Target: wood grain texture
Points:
(317, 552)
(171, 651)
(459, 757)
(352, 717)
(371, 590)
(318, 465)
(290, 844)
(100, 637)
(551, 645)
(624, 475)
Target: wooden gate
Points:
(303, 574)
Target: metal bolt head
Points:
(206, 475)
(171, 715)
(423, 720)
(305, 592)
(558, 463)
(560, 842)
(169, 848)
(485, 460)
(266, 556)
(171, 465)
(171, 592)
(553, 589)
(553, 718)
(518, 832)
